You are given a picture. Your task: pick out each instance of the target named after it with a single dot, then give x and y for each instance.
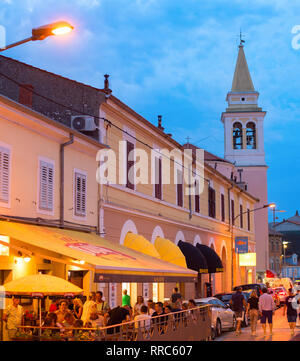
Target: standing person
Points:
(78, 308)
(102, 306)
(176, 296)
(125, 299)
(252, 309)
(267, 309)
(54, 305)
(291, 310)
(88, 307)
(138, 305)
(238, 305)
(298, 309)
(13, 316)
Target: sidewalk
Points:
(281, 331)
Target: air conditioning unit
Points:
(83, 122)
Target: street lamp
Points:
(270, 205)
(42, 32)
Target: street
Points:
(281, 331)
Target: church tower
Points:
(244, 146)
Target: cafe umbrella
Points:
(40, 286)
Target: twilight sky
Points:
(176, 58)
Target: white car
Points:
(223, 318)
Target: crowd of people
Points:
(95, 313)
(263, 307)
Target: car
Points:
(252, 286)
(282, 293)
(226, 297)
(223, 318)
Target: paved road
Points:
(281, 331)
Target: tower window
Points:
(251, 135)
(237, 136)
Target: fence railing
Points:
(189, 325)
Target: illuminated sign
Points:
(247, 259)
(241, 244)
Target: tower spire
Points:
(242, 81)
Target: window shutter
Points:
(211, 202)
(4, 174)
(248, 218)
(80, 194)
(46, 186)
(130, 163)
(241, 216)
(222, 207)
(158, 178)
(179, 188)
(232, 212)
(197, 197)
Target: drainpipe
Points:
(62, 178)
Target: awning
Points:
(169, 252)
(213, 261)
(140, 244)
(194, 258)
(111, 262)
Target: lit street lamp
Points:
(271, 205)
(42, 32)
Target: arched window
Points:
(251, 135)
(237, 136)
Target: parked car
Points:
(223, 318)
(252, 286)
(226, 297)
(282, 293)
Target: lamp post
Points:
(271, 205)
(42, 32)
(285, 244)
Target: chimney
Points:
(25, 95)
(159, 123)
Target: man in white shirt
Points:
(267, 309)
(13, 317)
(143, 320)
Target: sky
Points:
(176, 58)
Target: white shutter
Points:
(46, 186)
(4, 174)
(80, 194)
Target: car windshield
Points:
(226, 298)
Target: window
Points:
(158, 178)
(197, 197)
(130, 164)
(241, 216)
(222, 207)
(248, 219)
(237, 134)
(211, 202)
(179, 188)
(80, 194)
(46, 186)
(232, 212)
(4, 174)
(251, 135)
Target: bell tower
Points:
(244, 146)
